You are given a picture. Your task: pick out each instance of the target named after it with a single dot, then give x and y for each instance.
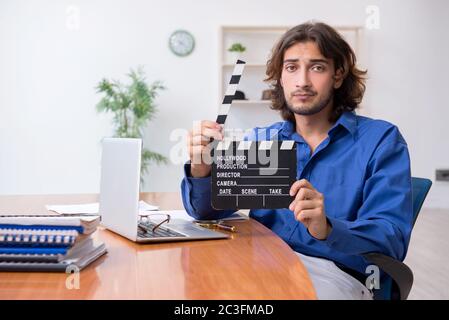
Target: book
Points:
(79, 259)
(48, 254)
(84, 224)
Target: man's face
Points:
(308, 79)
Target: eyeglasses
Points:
(153, 221)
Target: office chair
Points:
(398, 283)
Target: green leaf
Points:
(237, 47)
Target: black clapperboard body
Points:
(253, 175)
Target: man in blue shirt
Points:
(353, 188)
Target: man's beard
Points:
(314, 109)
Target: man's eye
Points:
(290, 68)
(318, 68)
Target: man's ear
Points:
(338, 78)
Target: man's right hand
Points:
(199, 152)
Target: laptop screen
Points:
(119, 186)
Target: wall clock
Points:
(181, 43)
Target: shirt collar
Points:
(287, 129)
(347, 120)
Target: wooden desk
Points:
(254, 264)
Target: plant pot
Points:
(235, 55)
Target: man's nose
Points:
(303, 79)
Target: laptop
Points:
(119, 198)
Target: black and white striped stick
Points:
(230, 92)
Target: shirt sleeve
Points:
(384, 221)
(196, 197)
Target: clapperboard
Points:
(250, 174)
(253, 175)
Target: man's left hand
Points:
(308, 208)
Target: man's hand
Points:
(308, 208)
(197, 143)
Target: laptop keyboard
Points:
(145, 230)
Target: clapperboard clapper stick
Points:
(250, 174)
(230, 91)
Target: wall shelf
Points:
(259, 41)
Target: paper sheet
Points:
(144, 209)
(92, 208)
(72, 220)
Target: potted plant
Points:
(133, 107)
(236, 50)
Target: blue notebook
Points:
(52, 263)
(83, 224)
(38, 251)
(38, 236)
(80, 229)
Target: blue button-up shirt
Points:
(363, 171)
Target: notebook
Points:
(48, 243)
(55, 264)
(37, 236)
(83, 224)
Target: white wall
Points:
(50, 131)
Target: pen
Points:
(219, 225)
(225, 227)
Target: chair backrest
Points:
(420, 188)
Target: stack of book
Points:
(48, 243)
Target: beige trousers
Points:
(332, 283)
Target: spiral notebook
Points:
(52, 263)
(83, 224)
(47, 243)
(37, 236)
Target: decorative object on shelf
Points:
(133, 107)
(266, 94)
(239, 95)
(181, 43)
(236, 50)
